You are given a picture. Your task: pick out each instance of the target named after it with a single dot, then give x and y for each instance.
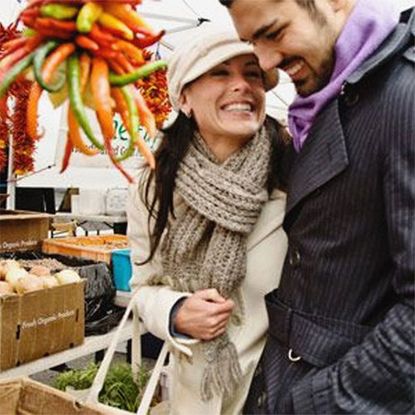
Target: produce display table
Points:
(91, 345)
(96, 222)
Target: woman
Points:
(205, 231)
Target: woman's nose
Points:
(240, 83)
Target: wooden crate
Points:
(98, 248)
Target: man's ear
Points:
(341, 5)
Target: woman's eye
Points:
(219, 72)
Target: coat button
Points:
(262, 399)
(294, 257)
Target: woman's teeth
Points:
(238, 107)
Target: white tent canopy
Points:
(181, 18)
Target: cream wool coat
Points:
(266, 246)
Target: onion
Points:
(5, 288)
(49, 281)
(28, 283)
(67, 276)
(6, 266)
(39, 270)
(14, 274)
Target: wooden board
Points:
(98, 248)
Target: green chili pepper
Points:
(141, 72)
(11, 75)
(38, 61)
(75, 99)
(87, 16)
(58, 11)
(134, 123)
(28, 32)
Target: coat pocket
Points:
(318, 340)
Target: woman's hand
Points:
(204, 315)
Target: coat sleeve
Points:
(152, 303)
(377, 376)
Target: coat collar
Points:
(398, 38)
(322, 157)
(324, 154)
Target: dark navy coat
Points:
(341, 336)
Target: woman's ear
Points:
(185, 107)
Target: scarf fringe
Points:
(223, 375)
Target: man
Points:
(341, 335)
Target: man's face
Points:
(290, 38)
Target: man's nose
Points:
(267, 57)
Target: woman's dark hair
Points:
(172, 149)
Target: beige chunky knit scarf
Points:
(205, 246)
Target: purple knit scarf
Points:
(368, 25)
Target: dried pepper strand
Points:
(23, 145)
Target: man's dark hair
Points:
(308, 5)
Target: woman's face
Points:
(228, 102)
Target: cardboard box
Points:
(98, 248)
(40, 323)
(22, 230)
(25, 396)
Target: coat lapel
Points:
(323, 156)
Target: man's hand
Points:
(204, 315)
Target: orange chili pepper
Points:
(131, 51)
(128, 15)
(114, 25)
(121, 106)
(100, 88)
(122, 61)
(86, 43)
(51, 64)
(146, 116)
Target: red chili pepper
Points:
(102, 37)
(145, 41)
(8, 61)
(49, 23)
(11, 45)
(67, 154)
(106, 53)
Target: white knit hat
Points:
(202, 53)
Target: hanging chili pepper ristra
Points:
(110, 37)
